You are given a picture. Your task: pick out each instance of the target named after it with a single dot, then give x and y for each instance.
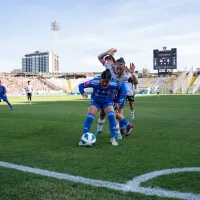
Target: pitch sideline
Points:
(131, 186)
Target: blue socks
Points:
(123, 123)
(112, 123)
(88, 122)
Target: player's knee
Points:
(119, 116)
(90, 117)
(93, 110)
(121, 109)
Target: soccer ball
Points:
(88, 139)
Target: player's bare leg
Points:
(122, 127)
(30, 99)
(131, 104)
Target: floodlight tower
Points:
(55, 27)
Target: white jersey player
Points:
(158, 91)
(131, 89)
(29, 92)
(124, 77)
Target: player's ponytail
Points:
(106, 74)
(121, 61)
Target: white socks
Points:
(117, 127)
(100, 124)
(132, 114)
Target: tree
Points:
(145, 71)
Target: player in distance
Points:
(102, 98)
(158, 92)
(29, 91)
(3, 95)
(117, 69)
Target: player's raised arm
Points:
(109, 52)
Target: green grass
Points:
(46, 135)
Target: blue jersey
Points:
(105, 95)
(2, 90)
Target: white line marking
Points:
(135, 184)
(131, 186)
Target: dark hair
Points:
(110, 57)
(106, 74)
(121, 61)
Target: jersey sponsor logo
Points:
(99, 95)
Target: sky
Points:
(90, 27)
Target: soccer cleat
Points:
(98, 133)
(118, 136)
(129, 128)
(114, 142)
(132, 116)
(122, 132)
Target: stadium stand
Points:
(195, 88)
(16, 85)
(186, 82)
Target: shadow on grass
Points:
(67, 102)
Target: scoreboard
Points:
(166, 59)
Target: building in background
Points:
(16, 71)
(44, 62)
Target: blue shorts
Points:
(121, 103)
(4, 98)
(100, 105)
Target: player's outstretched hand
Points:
(84, 95)
(112, 51)
(132, 68)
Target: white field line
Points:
(131, 186)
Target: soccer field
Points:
(46, 134)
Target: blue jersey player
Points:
(102, 98)
(3, 95)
